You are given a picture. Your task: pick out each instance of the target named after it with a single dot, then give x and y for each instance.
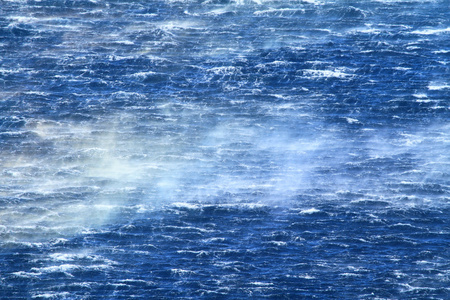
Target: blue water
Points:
(225, 149)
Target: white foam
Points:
(185, 205)
(79, 256)
(259, 283)
(436, 86)
(431, 31)
(142, 75)
(228, 70)
(368, 30)
(401, 69)
(351, 120)
(309, 211)
(182, 272)
(278, 243)
(175, 25)
(219, 11)
(350, 275)
(441, 51)
(335, 73)
(315, 2)
(53, 295)
(277, 11)
(420, 96)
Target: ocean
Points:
(219, 149)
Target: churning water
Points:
(224, 149)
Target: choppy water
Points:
(224, 149)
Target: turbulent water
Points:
(225, 149)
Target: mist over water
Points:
(232, 149)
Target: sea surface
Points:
(216, 149)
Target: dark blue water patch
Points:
(260, 253)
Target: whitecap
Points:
(64, 268)
(335, 73)
(185, 205)
(141, 75)
(259, 283)
(441, 51)
(182, 272)
(309, 211)
(431, 31)
(422, 95)
(54, 295)
(278, 243)
(227, 70)
(279, 11)
(350, 275)
(436, 86)
(351, 120)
